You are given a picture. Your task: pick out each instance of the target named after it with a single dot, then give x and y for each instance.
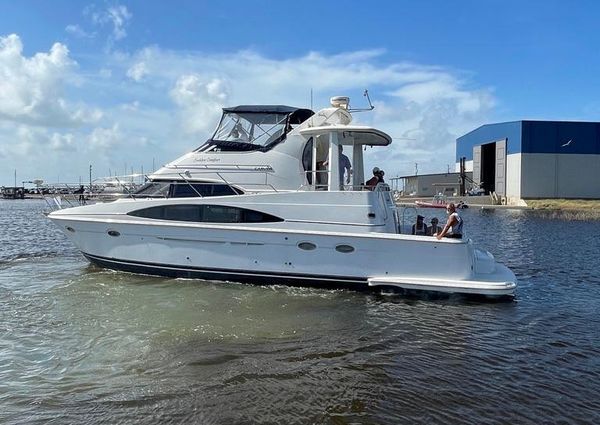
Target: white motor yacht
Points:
(263, 201)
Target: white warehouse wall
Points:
(468, 166)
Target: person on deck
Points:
(377, 178)
(434, 228)
(80, 192)
(454, 225)
(344, 167)
(322, 153)
(420, 228)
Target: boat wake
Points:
(32, 256)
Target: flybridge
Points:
(254, 127)
(277, 147)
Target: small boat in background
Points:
(440, 201)
(13, 192)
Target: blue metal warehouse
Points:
(534, 159)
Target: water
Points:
(86, 345)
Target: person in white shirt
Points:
(453, 227)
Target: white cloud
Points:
(105, 138)
(137, 72)
(63, 142)
(31, 89)
(35, 143)
(117, 15)
(200, 99)
(133, 106)
(120, 16)
(77, 31)
(105, 73)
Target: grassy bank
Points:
(571, 209)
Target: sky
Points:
(131, 85)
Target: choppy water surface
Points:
(82, 344)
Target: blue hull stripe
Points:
(242, 276)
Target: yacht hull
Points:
(280, 256)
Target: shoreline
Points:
(570, 209)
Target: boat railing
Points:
(221, 169)
(412, 212)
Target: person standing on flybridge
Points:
(344, 167)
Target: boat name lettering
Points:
(203, 159)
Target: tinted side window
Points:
(153, 189)
(222, 190)
(183, 213)
(220, 214)
(205, 213)
(254, 217)
(184, 190)
(154, 212)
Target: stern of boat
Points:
(488, 278)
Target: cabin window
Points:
(220, 214)
(346, 249)
(191, 190)
(153, 190)
(307, 246)
(171, 189)
(205, 214)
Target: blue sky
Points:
(122, 84)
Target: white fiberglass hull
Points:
(268, 255)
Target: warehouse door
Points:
(500, 184)
(477, 165)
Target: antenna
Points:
(311, 98)
(370, 108)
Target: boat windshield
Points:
(257, 129)
(254, 127)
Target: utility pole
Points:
(90, 178)
(416, 168)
